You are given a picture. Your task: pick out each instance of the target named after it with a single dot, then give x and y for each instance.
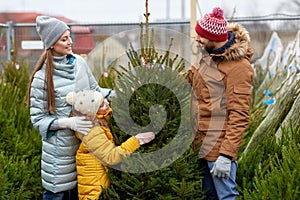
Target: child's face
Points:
(104, 107)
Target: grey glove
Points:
(144, 138)
(78, 124)
(221, 168)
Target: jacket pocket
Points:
(214, 87)
(240, 98)
(241, 90)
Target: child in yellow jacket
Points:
(97, 147)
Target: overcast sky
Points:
(94, 11)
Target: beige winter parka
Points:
(221, 96)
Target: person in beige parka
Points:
(221, 80)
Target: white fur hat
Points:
(87, 101)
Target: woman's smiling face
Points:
(63, 45)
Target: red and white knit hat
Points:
(213, 26)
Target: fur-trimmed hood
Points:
(241, 48)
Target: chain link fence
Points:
(22, 41)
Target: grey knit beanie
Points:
(50, 29)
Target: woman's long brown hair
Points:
(46, 58)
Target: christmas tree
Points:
(152, 97)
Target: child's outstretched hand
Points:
(144, 138)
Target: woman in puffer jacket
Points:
(97, 149)
(58, 72)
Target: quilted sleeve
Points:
(40, 117)
(104, 150)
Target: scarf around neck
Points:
(231, 41)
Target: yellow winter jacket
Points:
(96, 149)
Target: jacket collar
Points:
(106, 116)
(221, 50)
(66, 70)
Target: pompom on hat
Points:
(213, 26)
(85, 102)
(50, 29)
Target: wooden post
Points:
(193, 22)
(193, 18)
